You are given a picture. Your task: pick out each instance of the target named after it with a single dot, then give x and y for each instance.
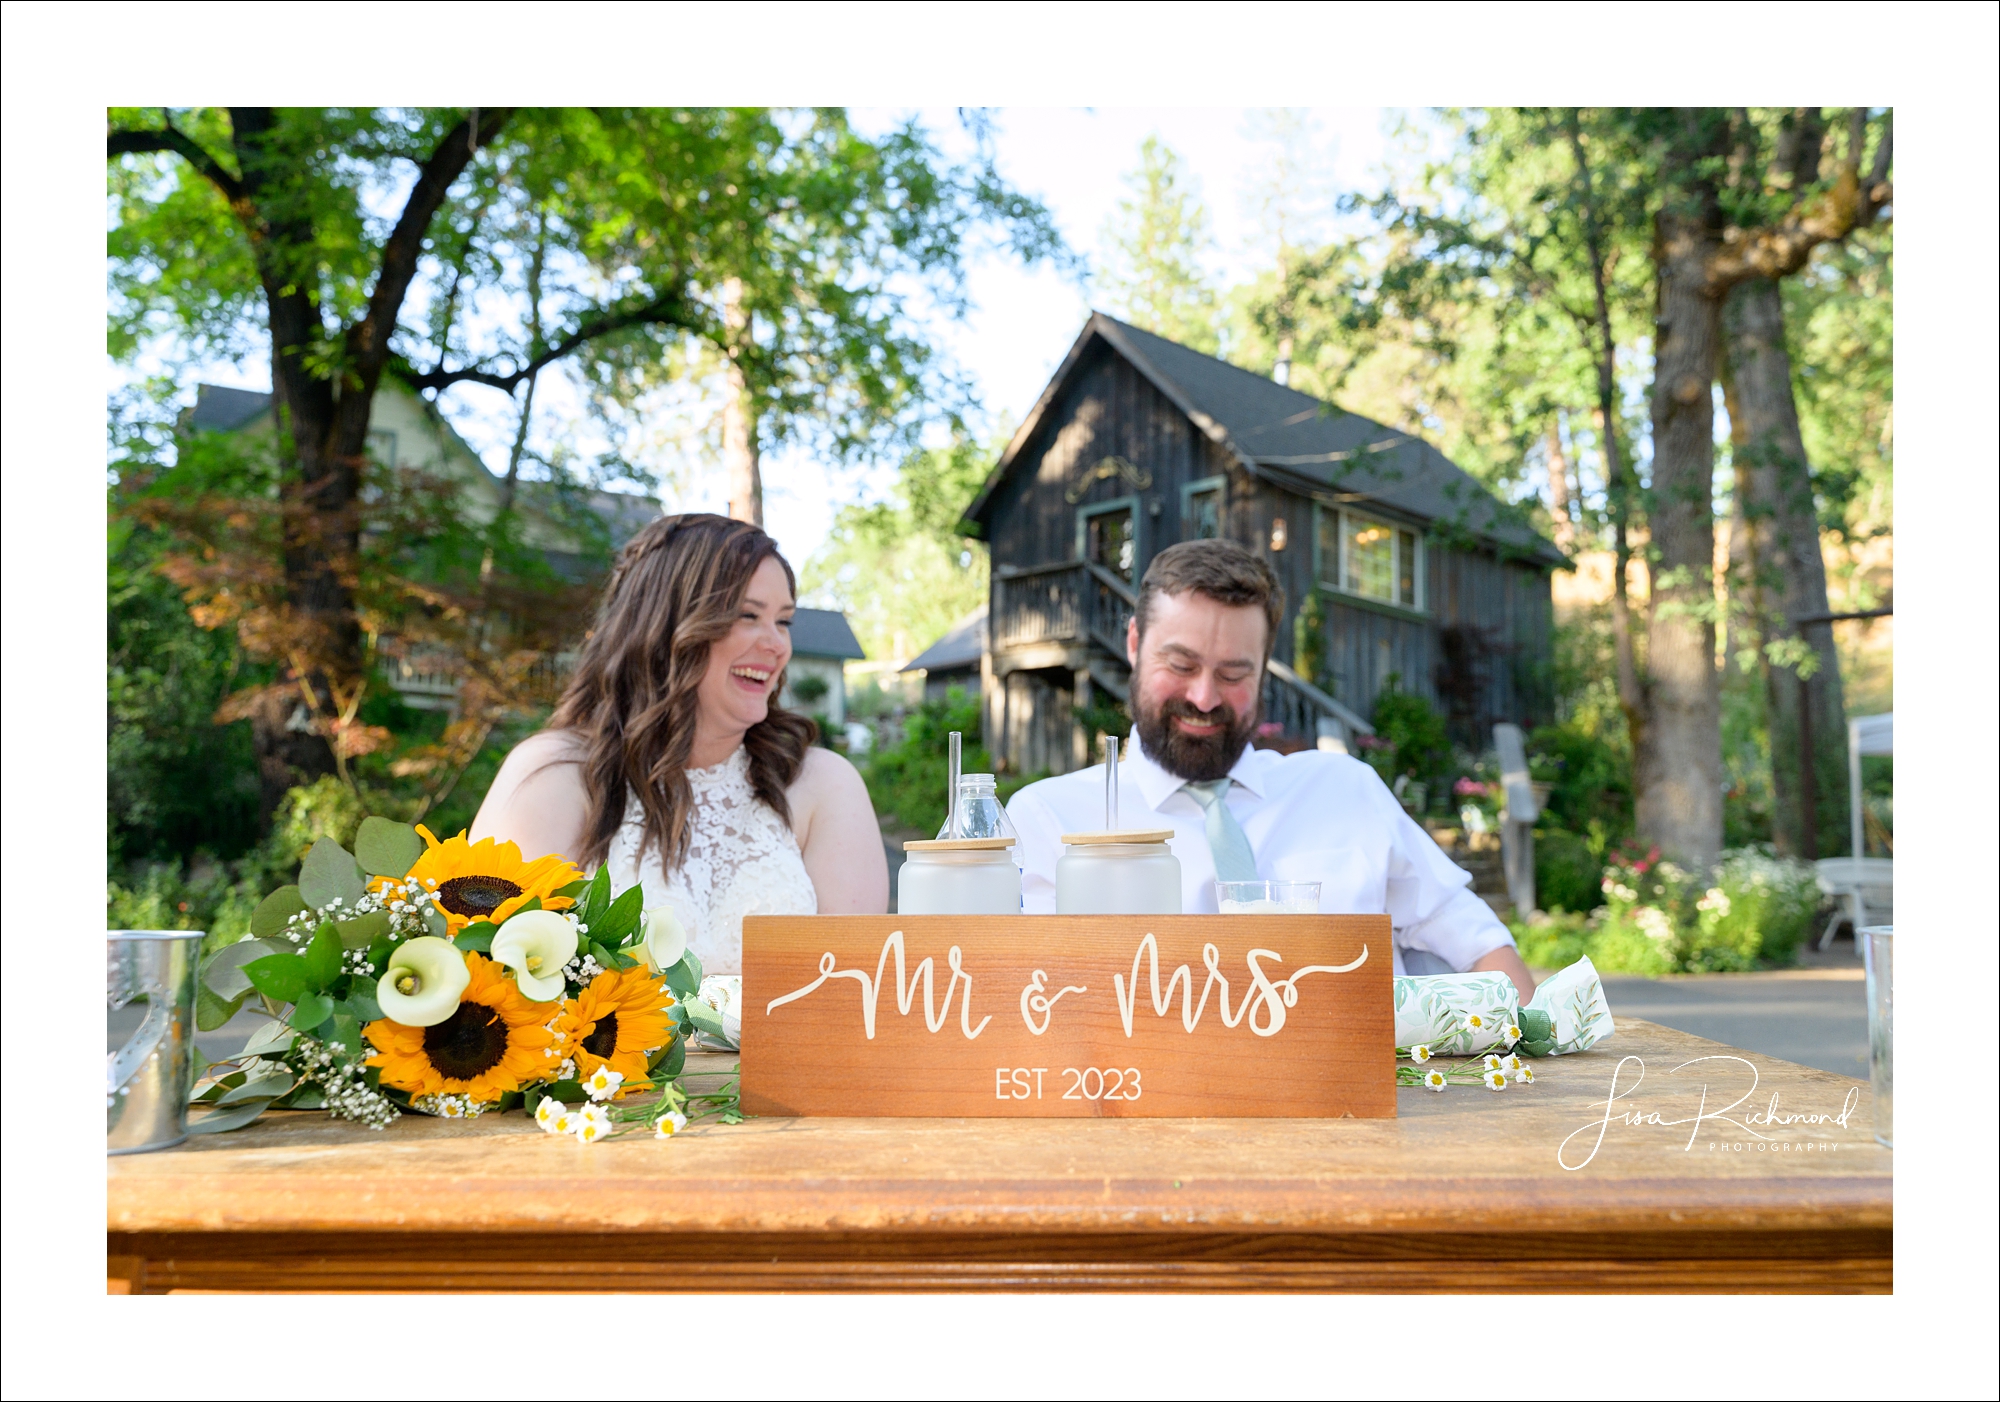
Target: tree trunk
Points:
(1775, 482)
(1559, 491)
(739, 414)
(1678, 765)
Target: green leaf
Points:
(361, 1003)
(573, 890)
(620, 920)
(386, 848)
(323, 958)
(434, 920)
(234, 1117)
(311, 1010)
(363, 930)
(211, 1012)
(684, 978)
(604, 957)
(596, 897)
(330, 874)
(344, 1028)
(532, 903)
(268, 1040)
(280, 977)
(476, 939)
(568, 1092)
(307, 1095)
(669, 1061)
(275, 911)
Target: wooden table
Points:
(1462, 1192)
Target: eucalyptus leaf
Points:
(310, 1011)
(362, 930)
(271, 1037)
(211, 1012)
(323, 958)
(361, 1003)
(235, 1117)
(705, 1017)
(263, 1088)
(276, 910)
(434, 920)
(309, 1096)
(223, 975)
(279, 977)
(330, 873)
(386, 848)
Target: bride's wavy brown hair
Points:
(675, 590)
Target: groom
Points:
(1208, 610)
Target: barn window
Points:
(1108, 535)
(1201, 509)
(1374, 559)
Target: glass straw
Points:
(1111, 783)
(952, 762)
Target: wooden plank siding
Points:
(1476, 605)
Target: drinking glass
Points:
(1267, 897)
(1878, 952)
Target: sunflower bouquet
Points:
(454, 978)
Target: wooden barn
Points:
(1423, 576)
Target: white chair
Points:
(1867, 887)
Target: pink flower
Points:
(1469, 788)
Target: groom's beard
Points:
(1193, 757)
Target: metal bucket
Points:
(146, 1095)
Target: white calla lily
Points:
(536, 944)
(666, 939)
(425, 979)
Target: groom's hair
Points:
(1216, 569)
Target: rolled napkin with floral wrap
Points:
(1467, 1014)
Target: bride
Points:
(669, 761)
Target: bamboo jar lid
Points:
(1104, 839)
(957, 844)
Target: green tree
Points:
(1153, 275)
(899, 569)
(348, 244)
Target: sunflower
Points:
(494, 1042)
(486, 880)
(616, 1021)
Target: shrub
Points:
(1553, 941)
(1568, 875)
(810, 690)
(1417, 743)
(906, 780)
(1589, 779)
(1762, 903)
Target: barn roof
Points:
(961, 646)
(1294, 440)
(823, 633)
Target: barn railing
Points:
(1305, 711)
(1069, 602)
(1040, 604)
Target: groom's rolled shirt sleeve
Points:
(1039, 848)
(1431, 903)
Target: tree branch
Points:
(171, 139)
(369, 337)
(665, 311)
(1825, 217)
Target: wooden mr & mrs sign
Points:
(1161, 1016)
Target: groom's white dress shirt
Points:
(1311, 816)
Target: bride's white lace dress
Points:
(742, 860)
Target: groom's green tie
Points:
(1234, 861)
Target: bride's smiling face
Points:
(744, 665)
